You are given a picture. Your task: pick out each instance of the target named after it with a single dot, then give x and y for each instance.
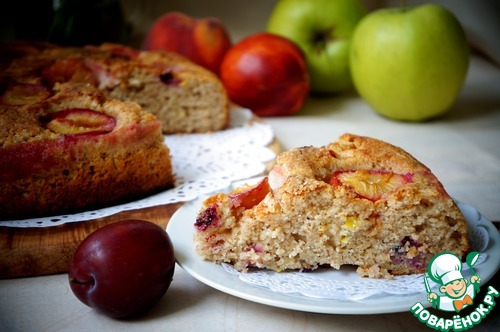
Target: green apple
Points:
(409, 64)
(323, 30)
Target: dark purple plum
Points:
(123, 269)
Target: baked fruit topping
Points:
(68, 70)
(24, 94)
(248, 197)
(372, 185)
(77, 121)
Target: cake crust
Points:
(358, 201)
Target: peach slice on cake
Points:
(370, 184)
(248, 197)
(68, 70)
(76, 121)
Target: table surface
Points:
(462, 148)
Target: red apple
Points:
(123, 269)
(267, 74)
(203, 41)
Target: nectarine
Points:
(204, 41)
(267, 74)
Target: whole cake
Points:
(358, 201)
(185, 97)
(76, 149)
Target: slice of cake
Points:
(358, 201)
(185, 97)
(76, 150)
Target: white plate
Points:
(181, 227)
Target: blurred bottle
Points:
(82, 22)
(70, 22)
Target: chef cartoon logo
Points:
(457, 292)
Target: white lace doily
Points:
(202, 163)
(346, 284)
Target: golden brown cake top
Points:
(103, 66)
(28, 123)
(350, 152)
(370, 153)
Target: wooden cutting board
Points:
(48, 250)
(27, 252)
